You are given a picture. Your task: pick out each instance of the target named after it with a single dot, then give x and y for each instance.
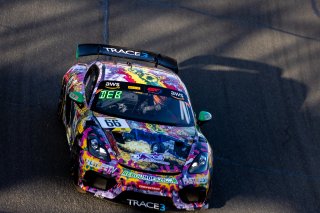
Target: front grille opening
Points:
(192, 194)
(99, 181)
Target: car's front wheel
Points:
(75, 165)
(75, 154)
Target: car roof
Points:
(140, 74)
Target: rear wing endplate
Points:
(122, 52)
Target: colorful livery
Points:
(133, 135)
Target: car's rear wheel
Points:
(60, 104)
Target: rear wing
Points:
(122, 52)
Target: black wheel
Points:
(209, 195)
(67, 112)
(75, 172)
(75, 153)
(60, 103)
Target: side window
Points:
(90, 81)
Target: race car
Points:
(133, 135)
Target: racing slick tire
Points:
(75, 153)
(60, 103)
(75, 169)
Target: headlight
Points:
(97, 148)
(199, 164)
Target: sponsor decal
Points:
(126, 52)
(134, 87)
(112, 85)
(110, 123)
(154, 90)
(110, 94)
(74, 96)
(71, 80)
(96, 164)
(108, 169)
(148, 187)
(78, 69)
(91, 163)
(129, 174)
(152, 158)
(149, 205)
(177, 95)
(194, 180)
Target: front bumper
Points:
(139, 189)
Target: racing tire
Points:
(60, 103)
(209, 195)
(75, 153)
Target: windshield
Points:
(143, 103)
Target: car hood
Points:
(148, 147)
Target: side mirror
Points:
(76, 97)
(204, 117)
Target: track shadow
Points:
(37, 42)
(253, 134)
(265, 143)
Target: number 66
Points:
(113, 123)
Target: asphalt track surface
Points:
(253, 64)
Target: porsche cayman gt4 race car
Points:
(133, 135)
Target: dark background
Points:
(253, 64)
